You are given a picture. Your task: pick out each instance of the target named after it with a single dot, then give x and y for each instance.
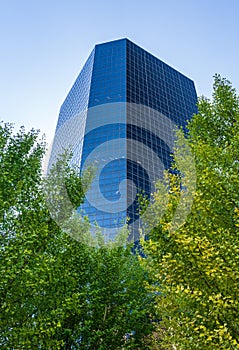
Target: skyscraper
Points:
(120, 114)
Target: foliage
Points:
(57, 292)
(196, 266)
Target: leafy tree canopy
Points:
(58, 292)
(196, 265)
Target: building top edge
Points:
(140, 47)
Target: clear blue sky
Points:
(44, 44)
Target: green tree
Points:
(196, 266)
(59, 289)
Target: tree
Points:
(57, 292)
(196, 265)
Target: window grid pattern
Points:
(108, 85)
(77, 100)
(152, 83)
(73, 111)
(120, 71)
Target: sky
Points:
(44, 44)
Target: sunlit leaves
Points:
(61, 288)
(197, 265)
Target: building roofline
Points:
(126, 39)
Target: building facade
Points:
(120, 115)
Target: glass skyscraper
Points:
(120, 115)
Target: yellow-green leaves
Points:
(197, 266)
(59, 290)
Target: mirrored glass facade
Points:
(126, 102)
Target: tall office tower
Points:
(120, 114)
